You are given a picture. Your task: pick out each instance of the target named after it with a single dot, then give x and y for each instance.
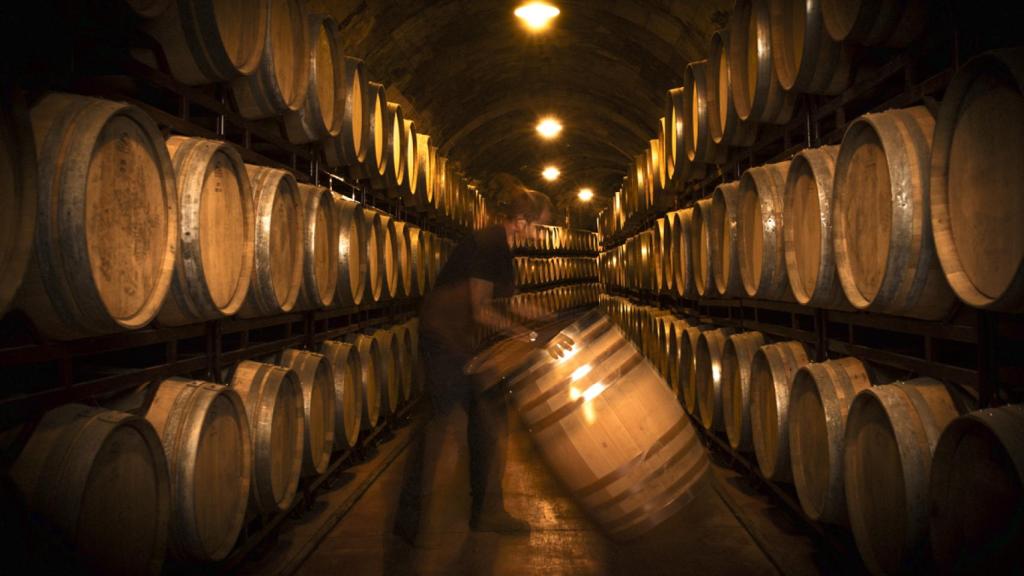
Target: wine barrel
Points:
(106, 222)
(97, 479)
(891, 433)
(349, 147)
(204, 44)
(423, 190)
(737, 355)
(272, 397)
(724, 123)
(277, 273)
(724, 240)
(759, 224)
(975, 175)
(415, 241)
(673, 356)
(394, 149)
(679, 169)
(319, 248)
(351, 251)
(682, 255)
(405, 359)
(756, 92)
(805, 57)
(440, 184)
(688, 367)
(374, 256)
(976, 495)
(819, 404)
(319, 117)
(216, 232)
(390, 369)
(403, 261)
(281, 80)
(627, 478)
(883, 243)
(771, 379)
(660, 230)
(700, 248)
(375, 165)
(389, 248)
(348, 398)
(18, 188)
(372, 377)
(893, 23)
(411, 179)
(708, 372)
(205, 434)
(700, 147)
(807, 230)
(317, 382)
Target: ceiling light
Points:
(585, 195)
(536, 15)
(551, 173)
(549, 127)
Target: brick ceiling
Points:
(477, 81)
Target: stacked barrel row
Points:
(134, 228)
(181, 477)
(279, 61)
(558, 239)
(906, 214)
(541, 305)
(531, 272)
(891, 457)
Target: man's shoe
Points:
(497, 521)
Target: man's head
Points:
(519, 207)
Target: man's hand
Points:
(560, 346)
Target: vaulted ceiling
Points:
(477, 81)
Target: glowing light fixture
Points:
(537, 16)
(549, 127)
(551, 173)
(585, 195)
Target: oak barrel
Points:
(976, 178)
(723, 231)
(700, 147)
(700, 248)
(579, 410)
(390, 369)
(375, 164)
(891, 434)
(374, 256)
(97, 480)
(272, 397)
(885, 254)
(277, 273)
(390, 252)
(894, 23)
(19, 176)
(316, 379)
(756, 92)
(216, 232)
(320, 115)
(759, 227)
(205, 434)
(819, 404)
(208, 41)
(106, 222)
(410, 181)
(673, 356)
(394, 150)
(688, 367)
(737, 355)
(351, 251)
(805, 57)
(416, 242)
(976, 492)
(348, 393)
(403, 260)
(319, 248)
(771, 379)
(349, 147)
(708, 373)
(683, 256)
(724, 123)
(281, 80)
(372, 378)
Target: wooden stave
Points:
(317, 291)
(911, 247)
(891, 23)
(261, 386)
(708, 364)
(737, 355)
(700, 248)
(54, 490)
(771, 377)
(723, 230)
(769, 103)
(316, 380)
(63, 311)
(20, 187)
(823, 66)
(915, 411)
(726, 129)
(262, 299)
(762, 187)
(260, 95)
(700, 147)
(834, 383)
(349, 147)
(178, 412)
(308, 123)
(346, 368)
(819, 164)
(997, 66)
(177, 30)
(961, 542)
(351, 283)
(371, 378)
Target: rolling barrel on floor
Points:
(771, 379)
(281, 80)
(348, 398)
(317, 382)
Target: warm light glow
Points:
(581, 372)
(551, 173)
(586, 195)
(537, 15)
(549, 127)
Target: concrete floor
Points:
(729, 529)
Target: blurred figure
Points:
(479, 270)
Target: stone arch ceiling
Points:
(477, 82)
